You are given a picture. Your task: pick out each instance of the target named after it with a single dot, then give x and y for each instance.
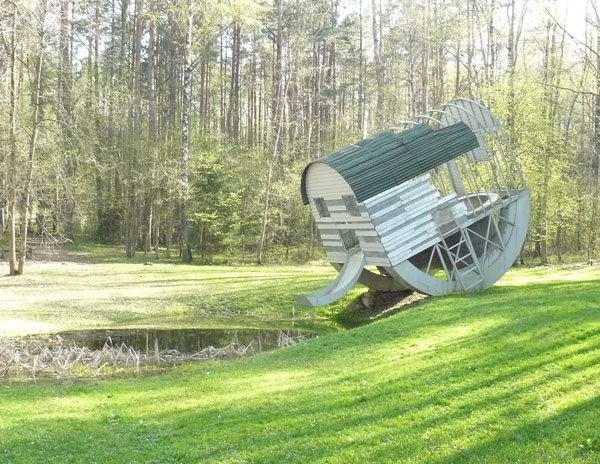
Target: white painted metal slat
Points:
(459, 210)
(405, 235)
(405, 186)
(322, 181)
(369, 202)
(337, 243)
(390, 238)
(397, 218)
(413, 236)
(396, 205)
(330, 237)
(407, 201)
(425, 190)
(448, 199)
(372, 247)
(342, 220)
(412, 242)
(419, 248)
(336, 217)
(353, 226)
(377, 261)
(336, 257)
(366, 233)
(428, 202)
(402, 226)
(407, 218)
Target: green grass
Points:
(94, 286)
(53, 297)
(509, 375)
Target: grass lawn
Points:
(509, 375)
(97, 289)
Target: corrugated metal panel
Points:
(387, 159)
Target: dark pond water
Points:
(147, 341)
(106, 352)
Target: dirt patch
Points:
(382, 304)
(45, 249)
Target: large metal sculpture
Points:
(436, 205)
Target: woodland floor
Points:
(508, 375)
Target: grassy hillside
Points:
(509, 375)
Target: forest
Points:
(181, 128)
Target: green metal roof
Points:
(388, 159)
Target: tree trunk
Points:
(12, 159)
(35, 120)
(362, 124)
(103, 226)
(379, 116)
(277, 120)
(65, 116)
(154, 215)
(595, 164)
(425, 60)
(186, 249)
(491, 45)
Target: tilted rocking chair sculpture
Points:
(437, 204)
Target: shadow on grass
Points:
(571, 427)
(354, 313)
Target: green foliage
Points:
(547, 156)
(108, 161)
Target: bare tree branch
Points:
(560, 87)
(571, 36)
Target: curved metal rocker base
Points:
(494, 265)
(348, 276)
(375, 281)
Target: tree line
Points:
(181, 128)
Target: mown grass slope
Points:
(509, 375)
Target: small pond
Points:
(95, 352)
(185, 341)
